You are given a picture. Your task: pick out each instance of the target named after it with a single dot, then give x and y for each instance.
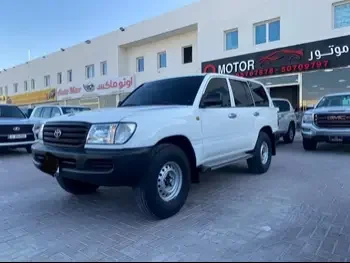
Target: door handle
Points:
(232, 115)
(256, 114)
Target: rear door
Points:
(284, 114)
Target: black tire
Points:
(148, 197)
(289, 136)
(309, 144)
(255, 164)
(76, 187)
(29, 149)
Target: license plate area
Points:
(17, 136)
(336, 138)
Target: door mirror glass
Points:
(212, 99)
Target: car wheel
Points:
(262, 154)
(163, 190)
(29, 149)
(76, 187)
(309, 144)
(289, 136)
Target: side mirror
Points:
(212, 99)
(278, 109)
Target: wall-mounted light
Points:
(341, 80)
(62, 49)
(44, 56)
(4, 69)
(328, 70)
(87, 41)
(122, 29)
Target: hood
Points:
(116, 114)
(15, 121)
(339, 109)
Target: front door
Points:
(217, 121)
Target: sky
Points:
(44, 26)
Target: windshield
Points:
(174, 91)
(67, 110)
(11, 112)
(334, 101)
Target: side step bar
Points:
(206, 168)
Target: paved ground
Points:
(298, 211)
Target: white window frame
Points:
(87, 67)
(25, 85)
(225, 36)
(158, 59)
(59, 78)
(101, 68)
(334, 5)
(47, 81)
(69, 75)
(137, 63)
(32, 84)
(266, 22)
(15, 87)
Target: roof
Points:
(338, 94)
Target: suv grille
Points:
(67, 134)
(9, 129)
(337, 120)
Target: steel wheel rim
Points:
(264, 153)
(169, 181)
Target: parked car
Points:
(16, 130)
(44, 112)
(160, 137)
(328, 121)
(287, 120)
(27, 111)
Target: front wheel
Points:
(76, 187)
(262, 154)
(163, 190)
(309, 144)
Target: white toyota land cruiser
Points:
(160, 138)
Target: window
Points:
(174, 91)
(187, 55)
(59, 78)
(47, 80)
(103, 68)
(231, 39)
(219, 86)
(55, 112)
(282, 105)
(11, 112)
(241, 94)
(341, 15)
(32, 82)
(67, 110)
(15, 87)
(1, 91)
(162, 60)
(69, 75)
(140, 64)
(37, 112)
(46, 114)
(267, 32)
(90, 71)
(25, 85)
(259, 95)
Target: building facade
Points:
(299, 49)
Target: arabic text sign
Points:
(97, 88)
(329, 53)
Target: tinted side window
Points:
(37, 112)
(219, 85)
(46, 112)
(241, 94)
(259, 95)
(282, 105)
(55, 112)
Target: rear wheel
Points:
(76, 187)
(289, 136)
(309, 144)
(163, 190)
(261, 160)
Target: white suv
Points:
(287, 120)
(159, 139)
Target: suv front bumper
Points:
(310, 131)
(100, 167)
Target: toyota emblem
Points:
(57, 133)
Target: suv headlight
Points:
(111, 133)
(307, 118)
